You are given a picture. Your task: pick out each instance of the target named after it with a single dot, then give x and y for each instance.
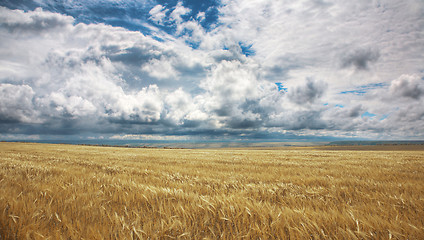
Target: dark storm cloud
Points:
(360, 59)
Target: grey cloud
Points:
(224, 110)
(411, 114)
(244, 118)
(75, 78)
(307, 93)
(280, 69)
(132, 119)
(150, 62)
(243, 123)
(231, 54)
(351, 120)
(355, 111)
(34, 22)
(343, 118)
(254, 106)
(360, 59)
(229, 85)
(321, 3)
(66, 126)
(308, 120)
(298, 120)
(197, 70)
(137, 55)
(409, 86)
(191, 124)
(83, 79)
(16, 103)
(276, 73)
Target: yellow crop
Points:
(86, 192)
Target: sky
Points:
(200, 70)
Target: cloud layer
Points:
(261, 69)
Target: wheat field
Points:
(52, 191)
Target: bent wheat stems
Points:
(75, 192)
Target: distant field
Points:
(329, 192)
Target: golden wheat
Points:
(85, 192)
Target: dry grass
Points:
(80, 192)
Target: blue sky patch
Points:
(208, 7)
(361, 90)
(281, 87)
(384, 117)
(368, 115)
(246, 49)
(129, 14)
(355, 92)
